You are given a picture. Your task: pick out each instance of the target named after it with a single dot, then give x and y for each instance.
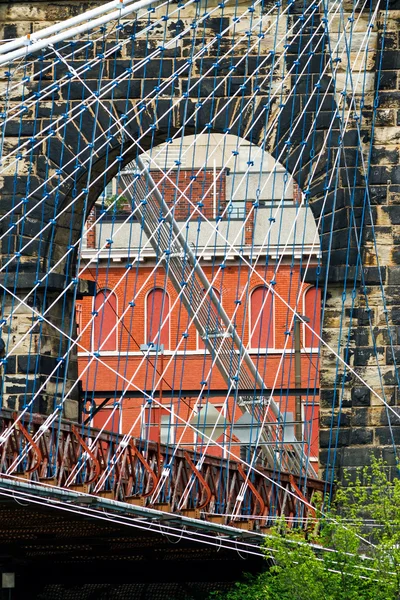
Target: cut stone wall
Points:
(374, 322)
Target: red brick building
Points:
(139, 306)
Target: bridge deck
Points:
(65, 555)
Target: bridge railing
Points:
(166, 478)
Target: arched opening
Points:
(235, 208)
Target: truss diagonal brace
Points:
(224, 340)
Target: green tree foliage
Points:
(117, 202)
(353, 553)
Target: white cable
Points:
(35, 46)
(94, 61)
(289, 234)
(125, 438)
(306, 269)
(228, 75)
(278, 369)
(64, 255)
(122, 519)
(251, 468)
(85, 104)
(110, 83)
(84, 17)
(297, 299)
(132, 522)
(121, 225)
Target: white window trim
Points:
(173, 429)
(114, 187)
(79, 317)
(262, 351)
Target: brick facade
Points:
(199, 186)
(190, 362)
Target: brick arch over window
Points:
(158, 318)
(312, 310)
(262, 319)
(105, 323)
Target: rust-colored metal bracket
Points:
(300, 494)
(149, 470)
(255, 493)
(34, 446)
(201, 480)
(97, 467)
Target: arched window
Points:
(211, 311)
(262, 319)
(104, 324)
(312, 310)
(157, 312)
